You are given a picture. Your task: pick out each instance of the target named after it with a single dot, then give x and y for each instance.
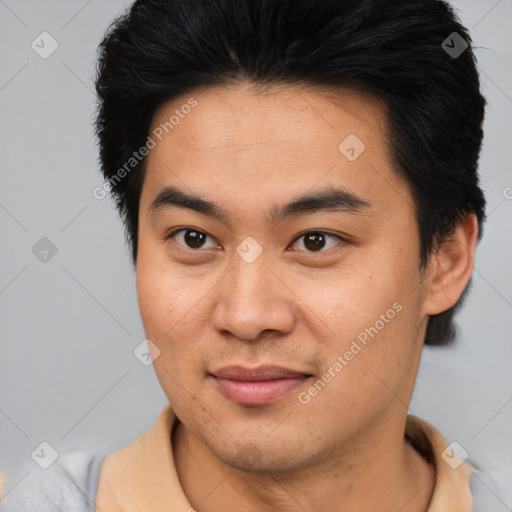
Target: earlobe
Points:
(450, 268)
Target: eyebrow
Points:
(330, 199)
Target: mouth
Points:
(257, 386)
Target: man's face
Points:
(335, 294)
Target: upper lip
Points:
(260, 373)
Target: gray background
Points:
(69, 326)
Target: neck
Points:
(380, 471)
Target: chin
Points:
(256, 457)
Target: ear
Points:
(450, 268)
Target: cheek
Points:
(166, 310)
(163, 296)
(154, 293)
(174, 317)
(348, 301)
(373, 315)
(368, 364)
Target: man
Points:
(298, 182)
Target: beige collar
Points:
(142, 475)
(452, 490)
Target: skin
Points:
(206, 307)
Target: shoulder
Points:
(491, 490)
(70, 483)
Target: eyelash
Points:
(171, 234)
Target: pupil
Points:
(314, 241)
(194, 239)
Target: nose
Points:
(252, 299)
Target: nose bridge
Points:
(250, 270)
(251, 301)
(249, 279)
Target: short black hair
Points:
(404, 52)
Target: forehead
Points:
(225, 116)
(238, 143)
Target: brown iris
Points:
(314, 241)
(195, 239)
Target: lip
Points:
(257, 386)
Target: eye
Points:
(313, 241)
(191, 238)
(316, 241)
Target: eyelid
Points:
(171, 232)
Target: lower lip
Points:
(258, 392)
